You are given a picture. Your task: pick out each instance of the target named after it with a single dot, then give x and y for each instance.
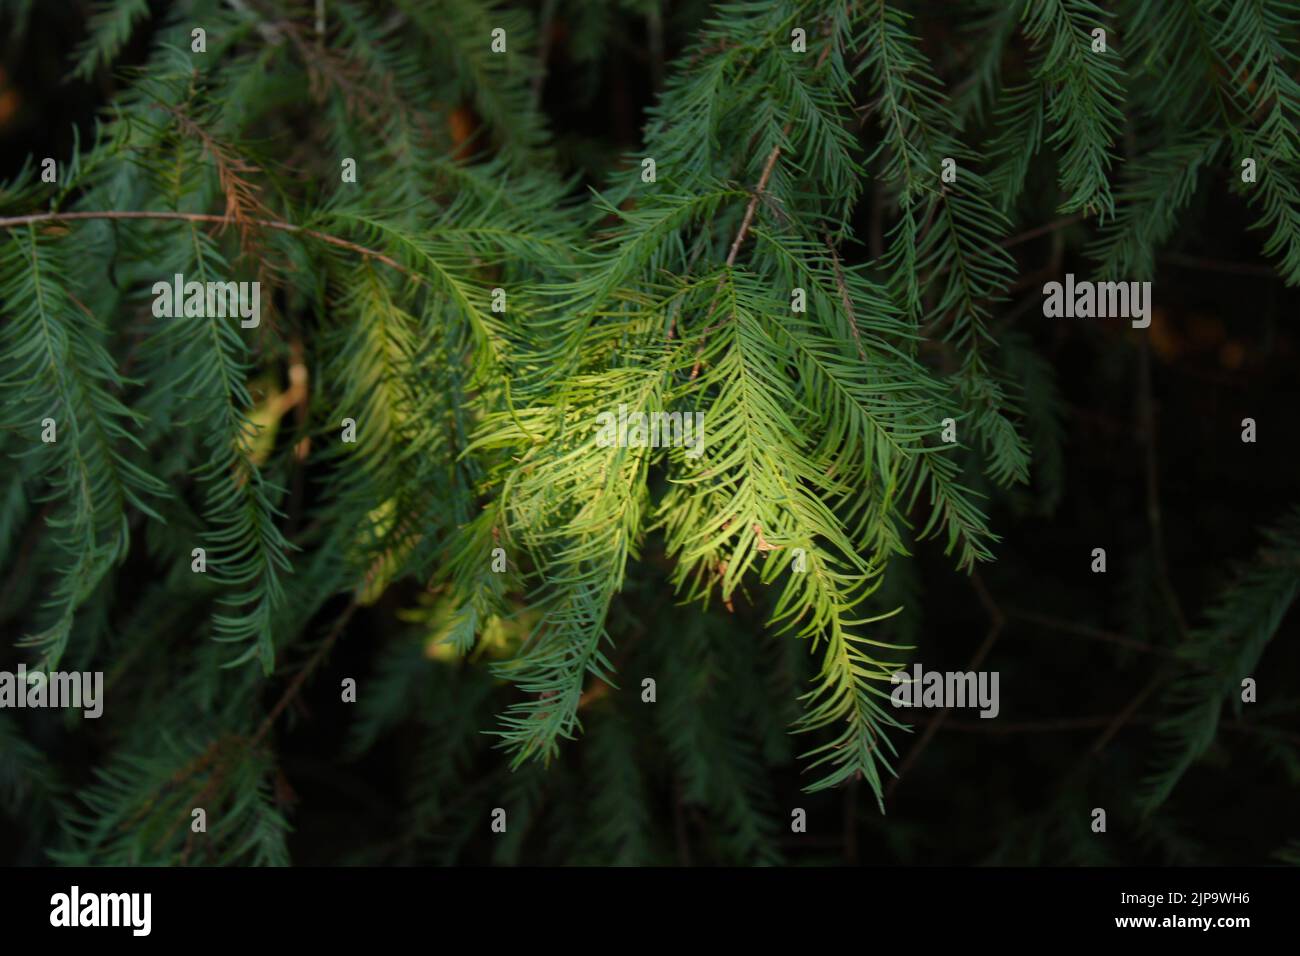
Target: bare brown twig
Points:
(1086, 631)
(844, 298)
(1147, 429)
(296, 685)
(122, 214)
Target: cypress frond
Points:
(1240, 624)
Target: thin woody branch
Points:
(11, 222)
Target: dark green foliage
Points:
(770, 585)
(1227, 651)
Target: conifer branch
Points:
(743, 231)
(10, 222)
(476, 290)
